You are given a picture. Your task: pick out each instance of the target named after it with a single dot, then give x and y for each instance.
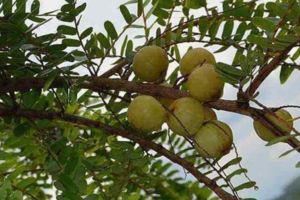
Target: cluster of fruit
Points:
(188, 116)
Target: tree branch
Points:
(145, 144)
(114, 69)
(266, 70)
(98, 84)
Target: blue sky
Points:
(263, 164)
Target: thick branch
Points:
(98, 84)
(145, 144)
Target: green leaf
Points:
(71, 42)
(240, 31)
(224, 48)
(298, 165)
(26, 182)
(70, 188)
(80, 9)
(229, 73)
(16, 195)
(93, 197)
(126, 14)
(288, 152)
(161, 14)
(231, 162)
(285, 73)
(259, 11)
(150, 12)
(259, 40)
(50, 79)
(237, 172)
(203, 25)
(190, 29)
(110, 29)
(129, 48)
(264, 23)
(280, 139)
(35, 7)
(277, 8)
(140, 8)
(195, 4)
(86, 33)
(213, 29)
(177, 52)
(228, 27)
(30, 98)
(249, 184)
(296, 55)
(21, 129)
(67, 30)
(103, 40)
(7, 7)
(124, 45)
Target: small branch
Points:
(114, 43)
(114, 69)
(266, 70)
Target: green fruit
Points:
(185, 116)
(214, 139)
(194, 58)
(209, 114)
(145, 113)
(205, 84)
(284, 123)
(150, 63)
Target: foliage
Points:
(45, 146)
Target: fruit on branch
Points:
(185, 116)
(205, 84)
(150, 63)
(146, 114)
(209, 114)
(163, 100)
(213, 139)
(283, 122)
(194, 58)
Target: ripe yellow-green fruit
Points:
(194, 58)
(150, 63)
(283, 122)
(145, 113)
(213, 139)
(209, 114)
(205, 84)
(186, 116)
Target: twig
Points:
(266, 70)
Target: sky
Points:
(271, 173)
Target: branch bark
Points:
(145, 144)
(98, 84)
